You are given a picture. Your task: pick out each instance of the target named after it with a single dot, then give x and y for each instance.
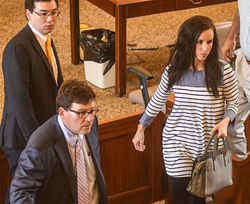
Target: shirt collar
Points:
(37, 33)
(69, 136)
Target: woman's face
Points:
(204, 45)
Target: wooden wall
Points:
(139, 178)
(4, 176)
(131, 176)
(239, 193)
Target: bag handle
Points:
(215, 146)
(214, 135)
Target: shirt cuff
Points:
(145, 119)
(231, 115)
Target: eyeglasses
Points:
(84, 114)
(45, 15)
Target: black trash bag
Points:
(99, 46)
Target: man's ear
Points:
(61, 112)
(28, 14)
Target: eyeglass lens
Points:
(85, 114)
(45, 15)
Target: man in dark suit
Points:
(48, 169)
(30, 85)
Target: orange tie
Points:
(49, 56)
(82, 183)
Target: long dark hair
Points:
(184, 52)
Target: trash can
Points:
(99, 56)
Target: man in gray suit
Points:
(30, 85)
(47, 171)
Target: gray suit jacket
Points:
(45, 173)
(30, 89)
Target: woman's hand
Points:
(138, 139)
(221, 127)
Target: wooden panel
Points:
(105, 5)
(247, 131)
(132, 176)
(120, 49)
(4, 176)
(74, 27)
(150, 7)
(186, 4)
(239, 192)
(135, 8)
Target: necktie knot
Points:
(48, 41)
(78, 141)
(79, 144)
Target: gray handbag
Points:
(212, 171)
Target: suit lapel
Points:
(39, 48)
(62, 150)
(93, 143)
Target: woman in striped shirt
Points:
(206, 100)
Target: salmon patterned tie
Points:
(82, 183)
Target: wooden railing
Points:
(131, 176)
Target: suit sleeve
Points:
(17, 72)
(28, 177)
(93, 140)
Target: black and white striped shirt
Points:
(195, 112)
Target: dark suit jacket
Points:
(30, 89)
(45, 173)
